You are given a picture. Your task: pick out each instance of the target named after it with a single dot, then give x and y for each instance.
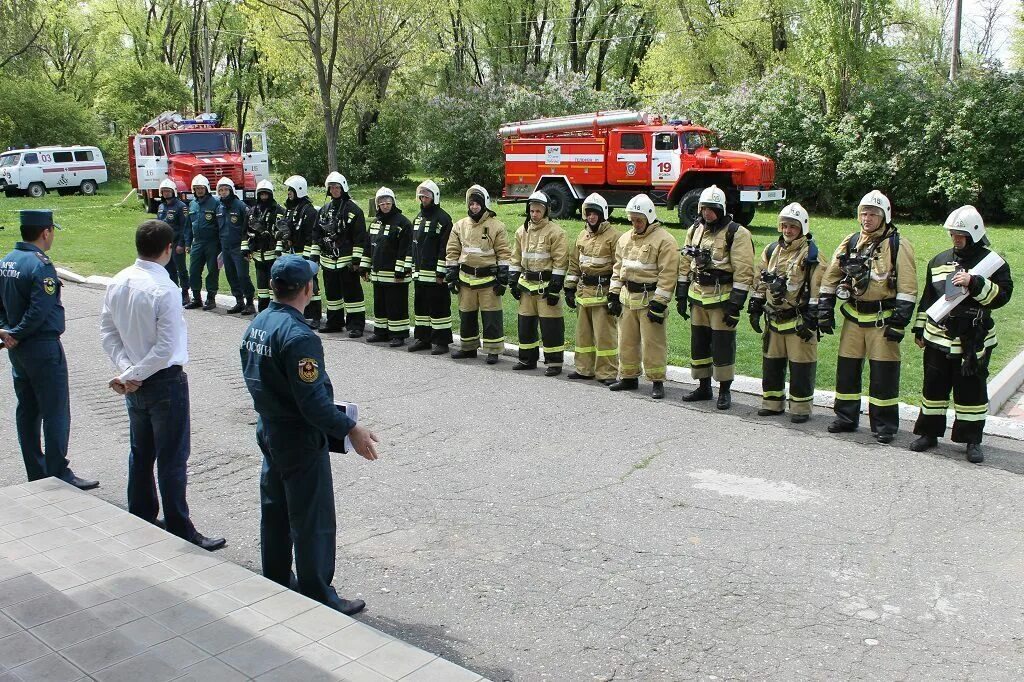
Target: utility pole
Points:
(954, 60)
(207, 67)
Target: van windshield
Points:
(203, 142)
(9, 160)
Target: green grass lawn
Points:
(98, 239)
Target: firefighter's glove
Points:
(656, 312)
(756, 310)
(682, 299)
(570, 298)
(451, 278)
(893, 334)
(614, 304)
(826, 315)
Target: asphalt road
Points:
(534, 529)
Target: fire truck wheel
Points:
(36, 190)
(688, 207)
(743, 213)
(561, 203)
(88, 187)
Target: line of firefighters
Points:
(622, 284)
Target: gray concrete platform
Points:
(88, 591)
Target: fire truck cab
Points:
(171, 146)
(623, 153)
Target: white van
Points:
(65, 169)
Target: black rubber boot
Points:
(625, 385)
(702, 392)
(463, 354)
(724, 395)
(975, 455)
(577, 375)
(922, 443)
(439, 349)
(839, 426)
(396, 341)
(524, 365)
(238, 307)
(211, 302)
(418, 345)
(355, 333)
(800, 418)
(765, 412)
(552, 371)
(249, 308)
(492, 358)
(658, 391)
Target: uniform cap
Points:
(37, 217)
(293, 271)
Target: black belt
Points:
(544, 276)
(637, 287)
(705, 278)
(872, 306)
(596, 280)
(478, 272)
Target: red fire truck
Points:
(171, 146)
(623, 153)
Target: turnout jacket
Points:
(969, 327)
(728, 275)
(431, 230)
(591, 261)
(342, 232)
(802, 272)
(479, 248)
(261, 231)
(174, 212)
(650, 260)
(388, 251)
(540, 254)
(303, 227)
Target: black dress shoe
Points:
(625, 385)
(658, 391)
(418, 345)
(765, 412)
(724, 399)
(463, 354)
(349, 607)
(922, 443)
(396, 342)
(238, 307)
(210, 304)
(975, 455)
(194, 304)
(552, 371)
(577, 375)
(884, 437)
(524, 365)
(377, 338)
(841, 427)
(800, 418)
(355, 333)
(83, 483)
(492, 358)
(209, 544)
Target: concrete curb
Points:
(1001, 388)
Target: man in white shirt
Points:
(143, 332)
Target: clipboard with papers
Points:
(343, 445)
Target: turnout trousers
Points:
(262, 262)
(855, 344)
(391, 309)
(479, 304)
(597, 351)
(534, 311)
(712, 344)
(970, 397)
(432, 307)
(346, 306)
(640, 340)
(802, 358)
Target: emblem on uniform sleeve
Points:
(49, 286)
(209, 216)
(234, 218)
(309, 370)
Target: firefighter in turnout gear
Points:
(340, 249)
(716, 272)
(477, 269)
(586, 290)
(232, 222)
(301, 231)
(432, 303)
(387, 262)
(954, 326)
(202, 243)
(540, 259)
(263, 239)
(646, 263)
(785, 293)
(874, 274)
(174, 212)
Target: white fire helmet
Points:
(226, 182)
(597, 202)
(336, 178)
(876, 199)
(297, 184)
(797, 214)
(538, 197)
(265, 186)
(167, 183)
(200, 181)
(712, 196)
(967, 220)
(382, 193)
(431, 187)
(479, 189)
(641, 204)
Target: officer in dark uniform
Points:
(283, 365)
(31, 322)
(202, 243)
(174, 212)
(232, 220)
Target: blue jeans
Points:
(158, 415)
(40, 373)
(236, 269)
